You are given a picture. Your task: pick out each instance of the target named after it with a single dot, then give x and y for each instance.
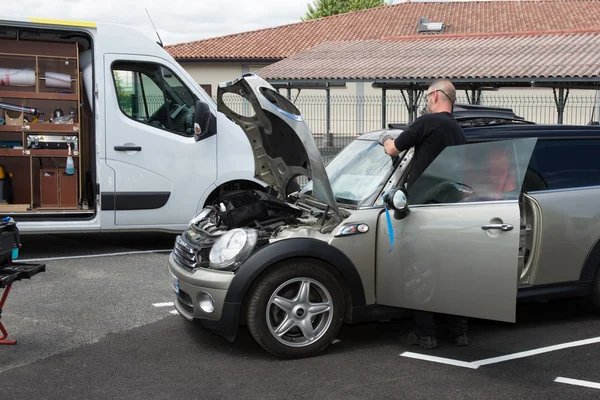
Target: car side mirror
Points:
(397, 200)
(205, 123)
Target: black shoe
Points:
(461, 340)
(427, 342)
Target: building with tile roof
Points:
(557, 59)
(566, 58)
(363, 55)
(222, 58)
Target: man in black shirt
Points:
(430, 134)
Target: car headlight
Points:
(205, 213)
(231, 249)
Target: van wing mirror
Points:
(205, 123)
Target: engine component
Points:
(238, 209)
(255, 209)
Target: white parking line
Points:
(577, 382)
(174, 312)
(123, 253)
(171, 304)
(538, 351)
(495, 360)
(440, 360)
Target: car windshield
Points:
(357, 173)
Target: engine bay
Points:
(255, 209)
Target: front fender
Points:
(286, 249)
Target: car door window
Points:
(489, 171)
(563, 164)
(152, 94)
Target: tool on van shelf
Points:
(17, 108)
(58, 112)
(25, 77)
(70, 164)
(17, 77)
(52, 142)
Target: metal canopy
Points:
(495, 84)
(460, 84)
(308, 85)
(590, 83)
(412, 90)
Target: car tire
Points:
(276, 298)
(595, 291)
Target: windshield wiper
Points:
(343, 201)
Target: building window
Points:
(207, 88)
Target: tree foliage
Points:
(326, 8)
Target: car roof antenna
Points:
(160, 42)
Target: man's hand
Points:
(387, 141)
(383, 138)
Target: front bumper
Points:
(223, 320)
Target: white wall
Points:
(214, 73)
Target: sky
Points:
(176, 20)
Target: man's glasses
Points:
(439, 90)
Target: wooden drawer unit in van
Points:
(49, 192)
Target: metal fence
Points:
(350, 116)
(134, 106)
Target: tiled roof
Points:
(574, 54)
(462, 17)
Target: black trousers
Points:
(425, 324)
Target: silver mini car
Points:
(480, 230)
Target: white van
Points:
(102, 130)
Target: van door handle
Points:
(504, 227)
(128, 148)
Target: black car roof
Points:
(515, 131)
(541, 131)
(494, 123)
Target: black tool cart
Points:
(10, 270)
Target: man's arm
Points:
(407, 139)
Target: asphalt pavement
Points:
(103, 327)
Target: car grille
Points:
(184, 254)
(188, 257)
(185, 301)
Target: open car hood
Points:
(282, 144)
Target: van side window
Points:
(152, 94)
(563, 164)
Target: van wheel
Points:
(296, 310)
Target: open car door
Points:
(456, 251)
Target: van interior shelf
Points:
(7, 94)
(43, 118)
(42, 128)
